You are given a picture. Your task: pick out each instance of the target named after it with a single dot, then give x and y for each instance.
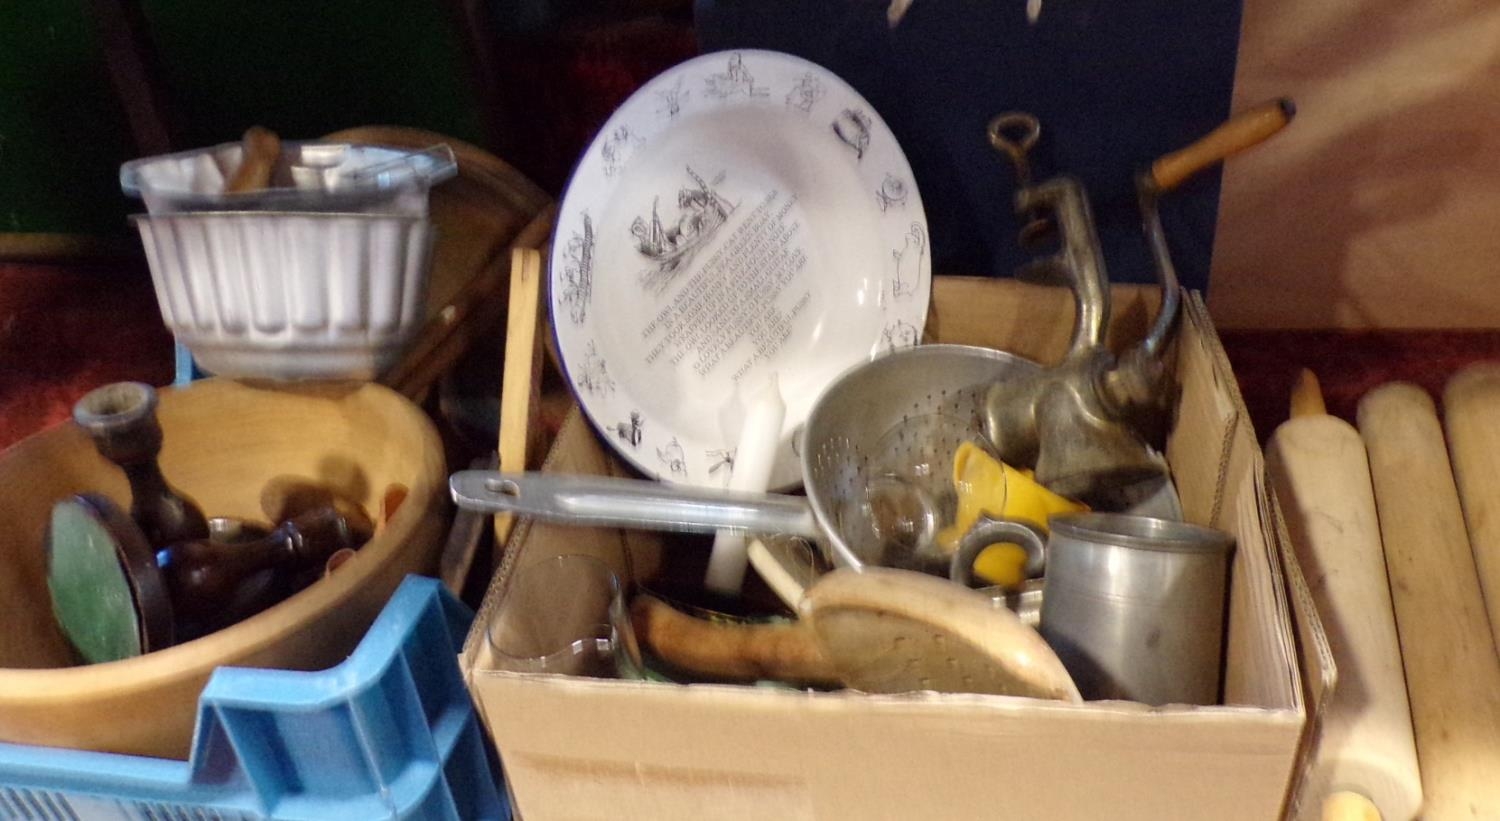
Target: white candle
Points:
(754, 456)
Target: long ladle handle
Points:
(1244, 130)
(636, 503)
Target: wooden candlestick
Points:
(121, 419)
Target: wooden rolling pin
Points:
(1471, 415)
(1452, 671)
(1365, 751)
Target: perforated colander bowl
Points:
(897, 419)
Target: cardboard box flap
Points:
(1026, 319)
(1259, 641)
(1215, 462)
(699, 751)
(1203, 438)
(1314, 661)
(1312, 639)
(1320, 674)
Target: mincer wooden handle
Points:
(1471, 414)
(1452, 671)
(1243, 130)
(1365, 750)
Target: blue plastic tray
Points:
(389, 733)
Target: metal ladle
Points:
(1085, 422)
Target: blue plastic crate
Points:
(389, 733)
(184, 368)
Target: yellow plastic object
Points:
(984, 484)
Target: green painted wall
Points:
(301, 67)
(309, 67)
(62, 137)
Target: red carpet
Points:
(1348, 365)
(66, 328)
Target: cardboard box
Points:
(582, 748)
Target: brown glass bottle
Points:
(183, 591)
(203, 575)
(121, 419)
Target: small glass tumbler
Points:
(568, 616)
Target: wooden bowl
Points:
(224, 442)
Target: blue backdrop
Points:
(1115, 84)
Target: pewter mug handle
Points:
(988, 531)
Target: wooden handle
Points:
(1246, 129)
(743, 652)
(1452, 671)
(1307, 396)
(260, 149)
(1321, 476)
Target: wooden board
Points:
(1376, 207)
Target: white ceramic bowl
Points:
(279, 295)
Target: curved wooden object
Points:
(224, 441)
(481, 214)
